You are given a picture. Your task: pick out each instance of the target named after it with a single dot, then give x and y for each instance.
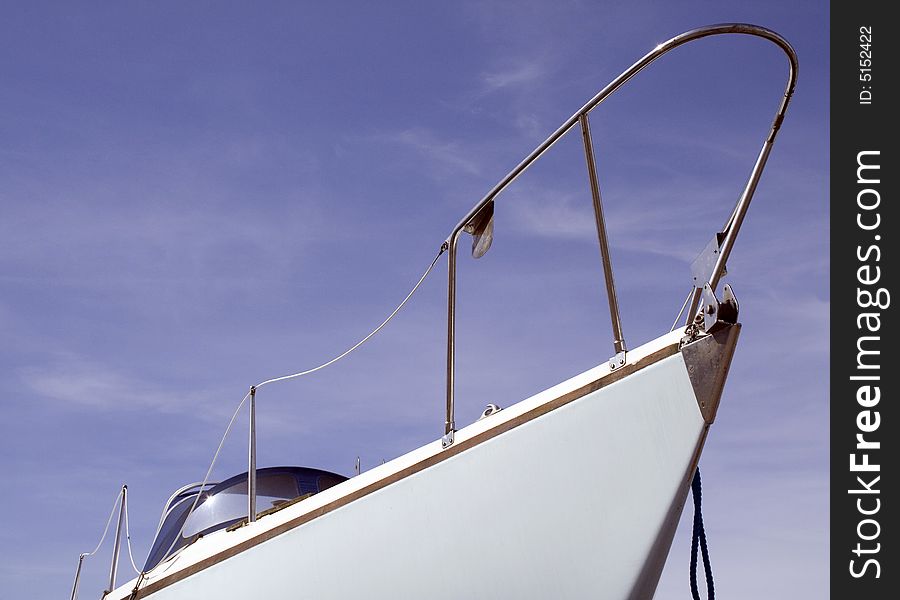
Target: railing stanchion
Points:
(618, 337)
(251, 469)
(117, 544)
(77, 577)
(449, 423)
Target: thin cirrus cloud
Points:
(140, 245)
(80, 384)
(522, 74)
(568, 215)
(444, 157)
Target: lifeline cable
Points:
(699, 537)
(205, 480)
(128, 537)
(365, 339)
(427, 272)
(105, 529)
(84, 555)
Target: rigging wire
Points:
(84, 555)
(105, 529)
(365, 339)
(680, 312)
(128, 537)
(415, 288)
(205, 479)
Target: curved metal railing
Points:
(475, 221)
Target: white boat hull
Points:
(580, 501)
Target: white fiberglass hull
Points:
(552, 498)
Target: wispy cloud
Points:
(80, 383)
(444, 157)
(522, 82)
(552, 214)
(520, 74)
(562, 213)
(148, 242)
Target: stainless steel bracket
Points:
(447, 440)
(618, 361)
(703, 265)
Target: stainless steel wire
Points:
(105, 529)
(288, 377)
(84, 555)
(365, 339)
(205, 479)
(681, 312)
(128, 538)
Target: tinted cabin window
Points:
(226, 503)
(229, 505)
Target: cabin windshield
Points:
(225, 503)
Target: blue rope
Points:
(699, 538)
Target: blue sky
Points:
(196, 198)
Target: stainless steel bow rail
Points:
(707, 269)
(709, 266)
